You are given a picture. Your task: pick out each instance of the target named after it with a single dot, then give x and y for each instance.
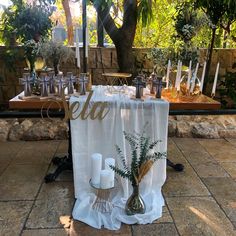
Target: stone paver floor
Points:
(199, 201)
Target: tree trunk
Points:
(209, 60)
(225, 38)
(123, 37)
(125, 58)
(100, 32)
(70, 33)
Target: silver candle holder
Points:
(102, 202)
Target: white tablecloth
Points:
(100, 136)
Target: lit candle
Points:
(106, 180)
(215, 80)
(189, 74)
(168, 74)
(194, 78)
(96, 164)
(110, 162)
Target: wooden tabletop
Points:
(117, 75)
(34, 102)
(201, 102)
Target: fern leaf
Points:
(153, 144)
(124, 174)
(122, 158)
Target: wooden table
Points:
(66, 162)
(203, 103)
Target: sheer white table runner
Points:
(90, 136)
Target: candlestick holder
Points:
(102, 202)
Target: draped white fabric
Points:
(100, 136)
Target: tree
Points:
(25, 21)
(123, 35)
(69, 24)
(217, 12)
(228, 19)
(159, 31)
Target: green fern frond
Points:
(140, 153)
(131, 140)
(124, 174)
(122, 158)
(153, 144)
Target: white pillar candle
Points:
(110, 162)
(106, 180)
(203, 76)
(96, 164)
(168, 74)
(194, 78)
(215, 80)
(189, 74)
(177, 75)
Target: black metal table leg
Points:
(63, 163)
(178, 167)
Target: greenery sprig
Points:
(143, 157)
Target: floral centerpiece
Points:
(144, 155)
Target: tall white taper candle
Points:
(203, 76)
(194, 78)
(77, 52)
(168, 73)
(177, 75)
(189, 74)
(96, 164)
(215, 80)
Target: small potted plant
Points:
(144, 155)
(55, 53)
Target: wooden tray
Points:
(201, 102)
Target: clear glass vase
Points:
(135, 203)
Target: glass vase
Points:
(135, 203)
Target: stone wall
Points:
(179, 126)
(32, 129)
(100, 60)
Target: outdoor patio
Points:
(199, 201)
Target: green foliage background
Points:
(160, 28)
